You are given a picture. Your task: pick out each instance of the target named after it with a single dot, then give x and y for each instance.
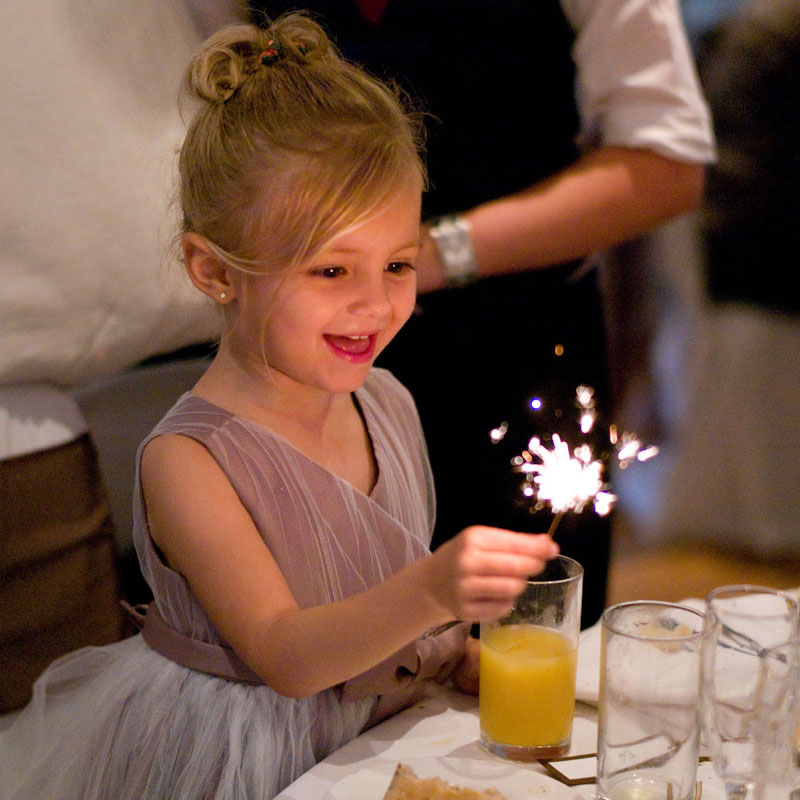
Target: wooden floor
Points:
(678, 573)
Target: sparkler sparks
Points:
(566, 479)
(563, 480)
(498, 434)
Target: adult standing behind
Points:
(513, 87)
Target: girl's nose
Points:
(372, 298)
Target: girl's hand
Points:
(478, 574)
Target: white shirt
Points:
(636, 82)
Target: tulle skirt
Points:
(123, 722)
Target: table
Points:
(442, 730)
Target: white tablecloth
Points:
(439, 736)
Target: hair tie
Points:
(274, 51)
(271, 53)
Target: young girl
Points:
(284, 506)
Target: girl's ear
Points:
(206, 271)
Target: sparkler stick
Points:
(554, 524)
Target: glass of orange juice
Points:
(527, 668)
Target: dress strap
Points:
(213, 659)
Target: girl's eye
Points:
(330, 272)
(399, 267)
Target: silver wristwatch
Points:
(452, 236)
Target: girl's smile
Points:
(358, 349)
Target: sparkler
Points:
(569, 479)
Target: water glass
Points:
(647, 738)
(527, 667)
(778, 733)
(743, 622)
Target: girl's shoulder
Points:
(221, 431)
(194, 416)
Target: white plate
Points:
(514, 781)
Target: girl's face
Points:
(323, 326)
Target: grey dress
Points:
(123, 721)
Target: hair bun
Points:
(230, 56)
(225, 61)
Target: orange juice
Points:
(527, 685)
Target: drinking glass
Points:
(742, 621)
(527, 667)
(647, 735)
(778, 733)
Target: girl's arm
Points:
(205, 533)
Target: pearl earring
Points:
(223, 295)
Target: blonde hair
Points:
(290, 144)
